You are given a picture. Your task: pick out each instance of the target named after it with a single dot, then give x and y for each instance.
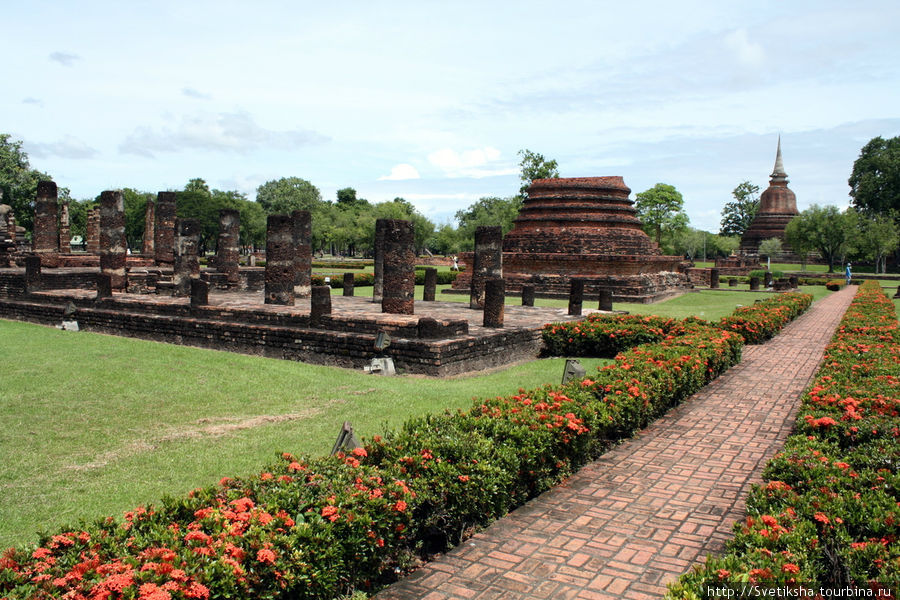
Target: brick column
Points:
(113, 247)
(714, 278)
(302, 224)
(399, 268)
(430, 290)
(494, 300)
(576, 296)
(65, 233)
(378, 285)
(606, 300)
(45, 237)
(199, 292)
(319, 303)
(164, 232)
(488, 262)
(147, 248)
(93, 231)
(769, 279)
(754, 284)
(349, 280)
(187, 259)
(280, 251)
(527, 294)
(228, 252)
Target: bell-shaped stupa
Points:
(777, 206)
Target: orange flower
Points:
(400, 506)
(265, 555)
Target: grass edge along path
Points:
(827, 515)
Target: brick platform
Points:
(640, 516)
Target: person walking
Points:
(848, 274)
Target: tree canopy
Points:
(875, 179)
(285, 195)
(820, 228)
(661, 210)
(738, 214)
(535, 166)
(18, 181)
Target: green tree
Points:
(18, 181)
(873, 237)
(661, 210)
(821, 228)
(535, 166)
(285, 195)
(78, 210)
(738, 214)
(770, 247)
(799, 235)
(691, 242)
(488, 211)
(875, 178)
(445, 240)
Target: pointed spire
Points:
(778, 171)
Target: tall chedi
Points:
(777, 206)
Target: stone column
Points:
(349, 280)
(149, 245)
(576, 296)
(32, 273)
(65, 233)
(199, 292)
(228, 252)
(11, 227)
(104, 286)
(769, 279)
(494, 300)
(93, 231)
(430, 290)
(302, 224)
(280, 251)
(187, 255)
(319, 303)
(732, 282)
(378, 285)
(527, 294)
(606, 300)
(795, 282)
(399, 268)
(45, 237)
(164, 232)
(113, 247)
(488, 262)
(754, 284)
(714, 278)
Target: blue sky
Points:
(432, 101)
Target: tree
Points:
(873, 237)
(535, 166)
(875, 179)
(820, 228)
(738, 215)
(18, 181)
(691, 242)
(661, 210)
(799, 235)
(285, 195)
(769, 248)
(488, 211)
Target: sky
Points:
(432, 101)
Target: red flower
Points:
(400, 506)
(790, 568)
(330, 513)
(265, 555)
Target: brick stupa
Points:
(584, 227)
(777, 206)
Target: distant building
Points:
(777, 206)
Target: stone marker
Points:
(714, 278)
(732, 282)
(104, 286)
(45, 238)
(280, 250)
(897, 295)
(795, 282)
(164, 232)
(319, 304)
(228, 248)
(399, 268)
(527, 294)
(770, 279)
(606, 300)
(199, 292)
(187, 259)
(349, 281)
(428, 293)
(576, 296)
(754, 284)
(494, 301)
(32, 273)
(149, 240)
(93, 232)
(429, 328)
(113, 247)
(302, 231)
(378, 285)
(488, 262)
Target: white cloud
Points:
(66, 59)
(223, 132)
(192, 93)
(750, 54)
(34, 101)
(68, 147)
(401, 172)
(469, 163)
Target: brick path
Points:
(634, 520)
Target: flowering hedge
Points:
(829, 514)
(763, 320)
(834, 285)
(320, 528)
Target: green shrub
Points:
(761, 273)
(835, 284)
(765, 318)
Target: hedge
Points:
(368, 279)
(828, 513)
(835, 284)
(320, 528)
(763, 319)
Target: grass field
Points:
(93, 425)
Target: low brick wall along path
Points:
(643, 513)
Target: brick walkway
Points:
(643, 513)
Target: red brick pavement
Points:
(643, 513)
